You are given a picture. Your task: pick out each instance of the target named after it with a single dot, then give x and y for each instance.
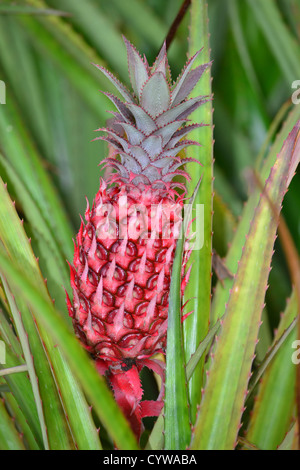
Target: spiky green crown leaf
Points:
(148, 128)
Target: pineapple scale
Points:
(121, 276)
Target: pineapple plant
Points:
(205, 340)
(124, 253)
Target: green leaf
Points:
(9, 436)
(27, 10)
(20, 421)
(225, 392)
(194, 360)
(44, 388)
(46, 39)
(156, 438)
(279, 37)
(49, 252)
(13, 370)
(277, 345)
(288, 441)
(234, 253)
(20, 150)
(8, 335)
(52, 421)
(142, 19)
(99, 30)
(14, 239)
(198, 290)
(242, 46)
(275, 400)
(20, 387)
(177, 419)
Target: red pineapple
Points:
(124, 252)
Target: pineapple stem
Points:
(174, 26)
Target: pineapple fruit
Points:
(124, 253)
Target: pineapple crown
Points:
(148, 128)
